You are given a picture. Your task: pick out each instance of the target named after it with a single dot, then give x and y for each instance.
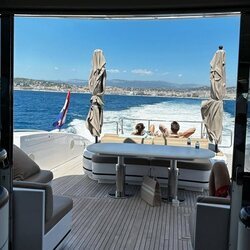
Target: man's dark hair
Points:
(139, 127)
(175, 127)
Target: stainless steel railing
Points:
(116, 125)
(229, 133)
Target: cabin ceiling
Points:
(125, 7)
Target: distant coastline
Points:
(48, 86)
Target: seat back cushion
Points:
(23, 166)
(43, 176)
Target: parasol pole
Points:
(216, 147)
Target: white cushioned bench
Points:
(192, 174)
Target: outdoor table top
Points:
(154, 151)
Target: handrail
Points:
(229, 131)
(117, 125)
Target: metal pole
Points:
(172, 180)
(122, 126)
(216, 149)
(201, 130)
(120, 178)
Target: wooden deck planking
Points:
(128, 223)
(157, 228)
(152, 229)
(110, 231)
(118, 229)
(163, 229)
(89, 225)
(101, 222)
(96, 229)
(123, 224)
(136, 232)
(145, 231)
(143, 220)
(82, 218)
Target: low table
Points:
(173, 153)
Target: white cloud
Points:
(165, 73)
(180, 75)
(56, 68)
(142, 71)
(124, 71)
(73, 70)
(113, 71)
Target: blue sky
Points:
(172, 50)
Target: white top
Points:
(147, 150)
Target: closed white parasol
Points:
(96, 85)
(212, 109)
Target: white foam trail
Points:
(80, 128)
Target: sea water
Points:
(38, 110)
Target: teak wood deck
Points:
(101, 222)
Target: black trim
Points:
(90, 170)
(129, 175)
(6, 99)
(121, 7)
(62, 239)
(163, 178)
(242, 101)
(6, 64)
(4, 196)
(87, 158)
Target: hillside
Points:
(122, 87)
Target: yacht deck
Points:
(101, 222)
